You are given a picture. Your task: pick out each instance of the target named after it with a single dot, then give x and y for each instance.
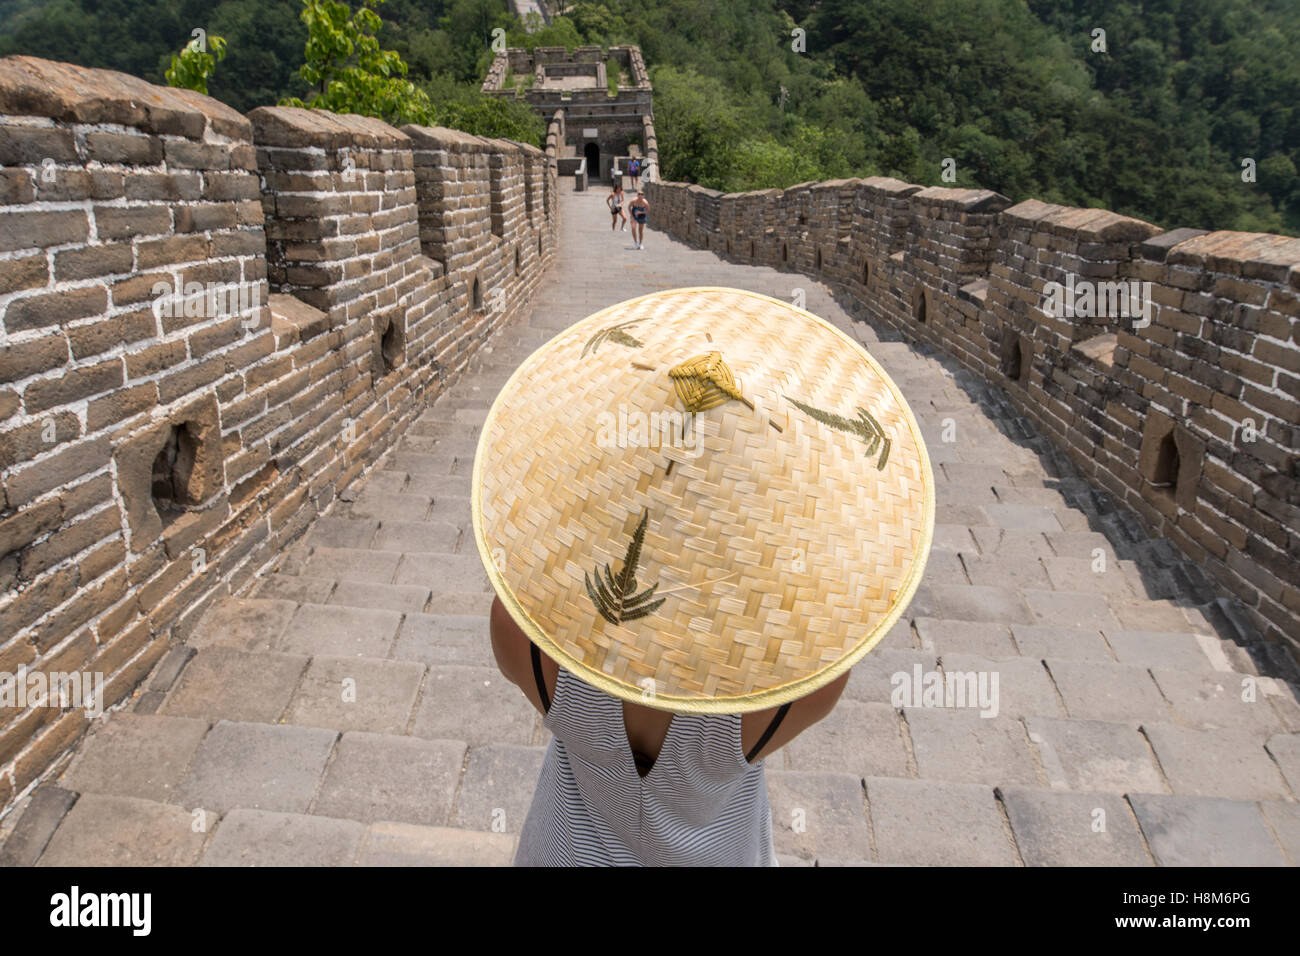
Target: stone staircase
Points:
(347, 710)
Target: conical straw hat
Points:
(703, 500)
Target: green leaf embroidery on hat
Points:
(614, 333)
(615, 596)
(864, 426)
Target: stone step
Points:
(129, 831)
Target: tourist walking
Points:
(658, 600)
(615, 203)
(640, 207)
(634, 171)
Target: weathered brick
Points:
(36, 437)
(63, 185)
(75, 384)
(200, 218)
(185, 154)
(68, 541)
(20, 529)
(60, 468)
(120, 222)
(169, 187)
(33, 145)
(155, 358)
(92, 261)
(28, 272)
(32, 357)
(16, 187)
(108, 333)
(176, 249)
(41, 228)
(125, 148)
(55, 308)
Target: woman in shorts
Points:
(615, 203)
(640, 207)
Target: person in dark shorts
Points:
(615, 203)
(634, 171)
(639, 207)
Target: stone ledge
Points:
(1252, 254)
(969, 200)
(293, 320)
(1099, 348)
(451, 140)
(888, 184)
(976, 292)
(1157, 247)
(31, 86)
(1095, 225)
(296, 127)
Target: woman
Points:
(615, 203)
(640, 209)
(678, 617)
(569, 707)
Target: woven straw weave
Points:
(779, 549)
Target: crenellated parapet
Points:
(210, 325)
(1166, 364)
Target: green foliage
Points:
(561, 31)
(191, 67)
(349, 71)
(695, 129)
(1155, 127)
(464, 107)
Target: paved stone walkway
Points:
(348, 710)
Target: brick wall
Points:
(211, 324)
(1188, 412)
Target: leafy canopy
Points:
(349, 71)
(191, 67)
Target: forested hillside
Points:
(1020, 95)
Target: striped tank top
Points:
(702, 803)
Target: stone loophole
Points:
(390, 347)
(519, 262)
(866, 272)
(920, 306)
(1164, 471)
(1016, 355)
(785, 252)
(173, 471)
(1171, 459)
(819, 260)
(476, 295)
(389, 341)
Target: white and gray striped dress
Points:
(702, 803)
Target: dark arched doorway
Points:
(592, 152)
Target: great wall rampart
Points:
(212, 325)
(1192, 421)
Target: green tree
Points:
(349, 71)
(464, 107)
(697, 133)
(191, 67)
